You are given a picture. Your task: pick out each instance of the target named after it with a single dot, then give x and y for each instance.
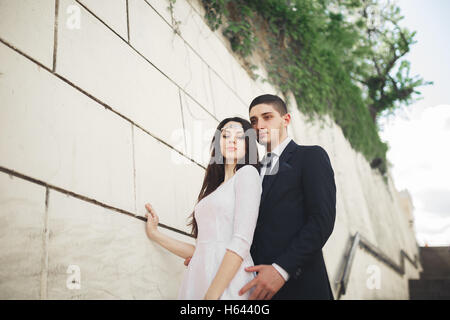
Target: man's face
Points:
(269, 125)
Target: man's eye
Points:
(225, 136)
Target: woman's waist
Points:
(216, 248)
(212, 241)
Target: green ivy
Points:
(322, 58)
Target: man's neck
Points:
(272, 147)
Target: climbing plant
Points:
(344, 58)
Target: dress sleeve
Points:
(248, 189)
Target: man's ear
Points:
(287, 118)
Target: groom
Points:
(297, 211)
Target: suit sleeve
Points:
(248, 191)
(317, 180)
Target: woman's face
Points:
(232, 142)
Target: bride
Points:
(223, 220)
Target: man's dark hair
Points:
(274, 101)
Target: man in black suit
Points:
(297, 211)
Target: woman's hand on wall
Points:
(180, 248)
(152, 221)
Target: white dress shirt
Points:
(276, 153)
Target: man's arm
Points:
(317, 178)
(281, 271)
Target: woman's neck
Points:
(229, 170)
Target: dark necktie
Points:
(267, 164)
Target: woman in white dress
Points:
(224, 218)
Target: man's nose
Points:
(260, 125)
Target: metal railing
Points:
(359, 241)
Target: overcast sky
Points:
(419, 135)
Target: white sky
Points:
(419, 135)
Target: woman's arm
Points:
(227, 270)
(179, 248)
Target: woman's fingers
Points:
(150, 209)
(152, 217)
(152, 221)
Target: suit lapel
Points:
(269, 180)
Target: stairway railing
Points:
(360, 241)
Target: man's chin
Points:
(262, 141)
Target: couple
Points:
(259, 227)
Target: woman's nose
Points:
(232, 140)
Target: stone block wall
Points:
(106, 105)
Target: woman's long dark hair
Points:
(215, 172)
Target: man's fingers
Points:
(269, 296)
(247, 287)
(255, 293)
(262, 295)
(253, 268)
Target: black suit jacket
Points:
(296, 217)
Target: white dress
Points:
(226, 219)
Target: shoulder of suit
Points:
(313, 153)
(310, 152)
(310, 148)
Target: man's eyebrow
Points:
(262, 114)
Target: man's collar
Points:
(280, 147)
